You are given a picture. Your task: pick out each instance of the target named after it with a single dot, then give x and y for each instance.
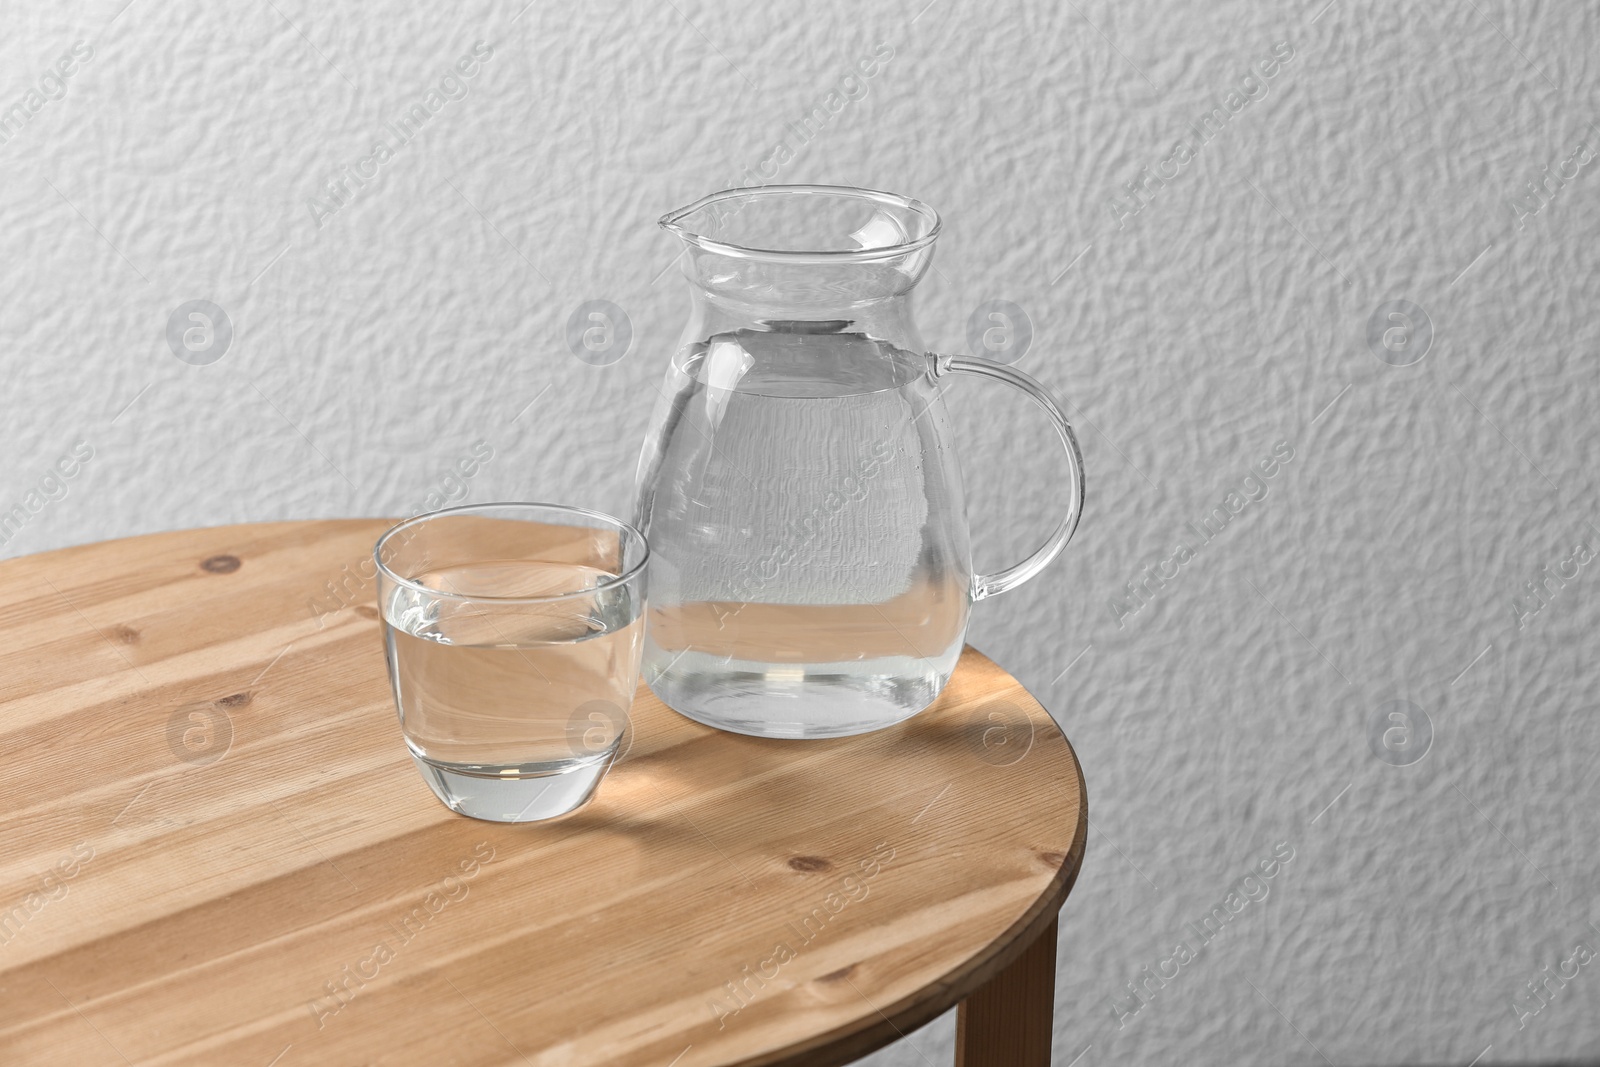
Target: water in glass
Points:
(519, 707)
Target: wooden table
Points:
(215, 850)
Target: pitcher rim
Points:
(672, 223)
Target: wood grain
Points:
(1009, 1021)
(216, 849)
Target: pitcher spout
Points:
(810, 243)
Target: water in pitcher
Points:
(533, 693)
(804, 582)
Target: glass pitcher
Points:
(811, 572)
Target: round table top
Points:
(217, 849)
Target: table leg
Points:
(1008, 1022)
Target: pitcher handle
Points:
(984, 585)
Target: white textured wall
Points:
(1227, 314)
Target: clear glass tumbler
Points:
(513, 634)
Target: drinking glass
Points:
(513, 633)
